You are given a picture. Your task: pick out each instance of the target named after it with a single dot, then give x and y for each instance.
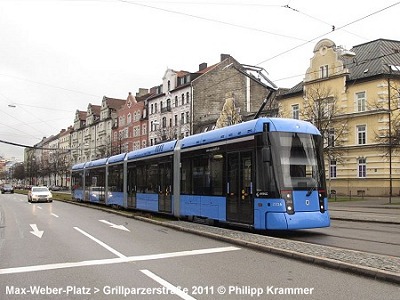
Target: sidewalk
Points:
(368, 209)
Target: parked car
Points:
(7, 188)
(39, 193)
(55, 188)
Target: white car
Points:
(39, 193)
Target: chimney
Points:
(224, 56)
(202, 66)
(142, 92)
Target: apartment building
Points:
(353, 97)
(244, 86)
(131, 126)
(170, 107)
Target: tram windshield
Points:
(298, 160)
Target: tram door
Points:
(165, 187)
(240, 201)
(132, 186)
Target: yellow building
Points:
(352, 96)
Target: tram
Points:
(267, 174)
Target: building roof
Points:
(378, 57)
(114, 103)
(95, 109)
(82, 114)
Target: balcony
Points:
(165, 109)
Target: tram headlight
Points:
(321, 198)
(288, 197)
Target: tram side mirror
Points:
(266, 154)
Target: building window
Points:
(361, 101)
(169, 85)
(164, 122)
(323, 71)
(187, 97)
(332, 168)
(183, 99)
(136, 131)
(295, 111)
(176, 101)
(182, 118)
(187, 117)
(362, 168)
(130, 118)
(361, 135)
(331, 137)
(176, 120)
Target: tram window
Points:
(265, 182)
(208, 175)
(77, 180)
(141, 179)
(152, 184)
(115, 182)
(217, 171)
(186, 177)
(201, 176)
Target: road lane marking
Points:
(100, 243)
(112, 225)
(39, 207)
(36, 231)
(117, 260)
(168, 285)
(54, 215)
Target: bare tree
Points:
(389, 137)
(321, 107)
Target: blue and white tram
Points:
(266, 173)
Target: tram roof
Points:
(152, 150)
(96, 163)
(291, 125)
(116, 158)
(248, 128)
(79, 166)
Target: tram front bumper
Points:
(299, 220)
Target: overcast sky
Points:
(57, 56)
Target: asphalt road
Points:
(62, 251)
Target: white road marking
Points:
(112, 225)
(168, 285)
(54, 215)
(39, 207)
(100, 243)
(36, 231)
(109, 261)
